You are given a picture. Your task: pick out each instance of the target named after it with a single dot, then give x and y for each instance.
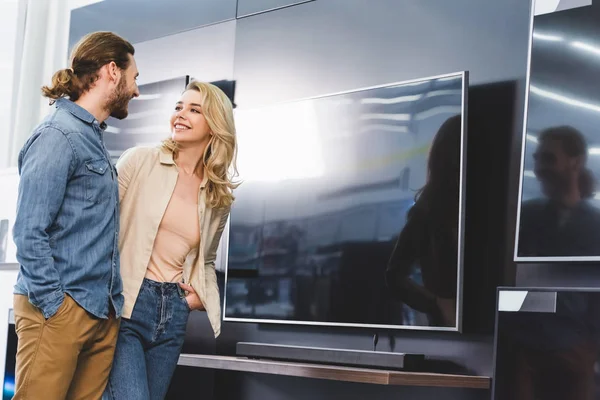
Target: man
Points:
(564, 222)
(68, 293)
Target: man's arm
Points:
(45, 166)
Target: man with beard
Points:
(564, 223)
(68, 297)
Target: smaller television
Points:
(558, 218)
(8, 386)
(547, 344)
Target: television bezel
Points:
(224, 252)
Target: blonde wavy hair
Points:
(219, 159)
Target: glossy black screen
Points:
(547, 345)
(327, 186)
(560, 208)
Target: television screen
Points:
(547, 344)
(559, 214)
(148, 121)
(8, 386)
(337, 188)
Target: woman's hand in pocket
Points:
(192, 298)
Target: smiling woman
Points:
(198, 121)
(175, 199)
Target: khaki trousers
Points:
(68, 356)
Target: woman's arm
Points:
(126, 167)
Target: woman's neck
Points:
(189, 160)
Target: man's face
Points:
(555, 170)
(126, 90)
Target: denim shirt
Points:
(66, 228)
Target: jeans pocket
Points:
(185, 302)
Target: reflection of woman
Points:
(175, 202)
(430, 237)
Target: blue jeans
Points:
(149, 344)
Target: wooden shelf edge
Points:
(334, 372)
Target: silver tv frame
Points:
(516, 257)
(224, 253)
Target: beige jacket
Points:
(147, 178)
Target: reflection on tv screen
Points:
(559, 217)
(331, 186)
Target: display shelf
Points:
(334, 372)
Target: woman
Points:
(429, 239)
(175, 201)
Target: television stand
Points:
(334, 372)
(330, 356)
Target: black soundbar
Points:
(349, 358)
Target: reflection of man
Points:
(564, 223)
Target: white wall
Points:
(10, 25)
(45, 46)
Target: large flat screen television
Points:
(328, 202)
(559, 214)
(547, 344)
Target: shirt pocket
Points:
(97, 181)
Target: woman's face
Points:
(188, 125)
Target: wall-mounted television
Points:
(559, 213)
(547, 344)
(329, 184)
